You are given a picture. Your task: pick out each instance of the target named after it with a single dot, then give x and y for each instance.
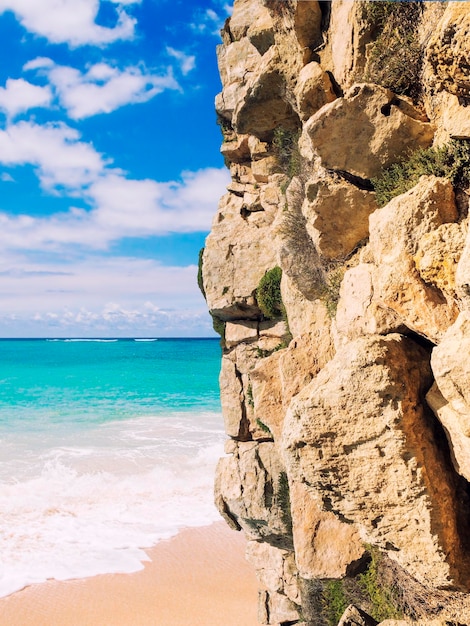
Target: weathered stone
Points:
(354, 616)
(233, 261)
(358, 437)
(395, 231)
(261, 105)
(344, 52)
(247, 493)
(307, 23)
(231, 394)
(235, 333)
(457, 428)
(331, 203)
(237, 63)
(438, 254)
(357, 312)
(279, 377)
(236, 150)
(448, 51)
(263, 168)
(450, 398)
(275, 569)
(367, 130)
(325, 547)
(313, 90)
(462, 274)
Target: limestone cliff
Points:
(345, 384)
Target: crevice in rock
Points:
(325, 7)
(422, 341)
(244, 433)
(337, 90)
(361, 183)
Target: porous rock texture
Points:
(348, 410)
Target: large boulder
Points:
(359, 440)
(395, 233)
(337, 215)
(368, 129)
(237, 254)
(450, 396)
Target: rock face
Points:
(347, 403)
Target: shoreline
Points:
(197, 577)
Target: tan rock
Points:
(237, 254)
(307, 23)
(263, 168)
(236, 150)
(325, 547)
(251, 19)
(330, 204)
(437, 256)
(457, 428)
(261, 104)
(358, 438)
(237, 62)
(357, 312)
(462, 274)
(248, 493)
(448, 51)
(232, 399)
(344, 52)
(313, 90)
(236, 333)
(367, 130)
(306, 316)
(451, 369)
(275, 569)
(395, 231)
(354, 616)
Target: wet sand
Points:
(198, 578)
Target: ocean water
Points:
(106, 448)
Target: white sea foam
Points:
(89, 501)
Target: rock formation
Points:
(345, 384)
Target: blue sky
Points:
(110, 171)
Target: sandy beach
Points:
(198, 578)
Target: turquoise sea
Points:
(106, 447)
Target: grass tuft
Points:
(451, 161)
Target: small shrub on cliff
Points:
(383, 604)
(395, 57)
(283, 500)
(268, 294)
(451, 161)
(334, 601)
(286, 148)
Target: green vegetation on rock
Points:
(451, 161)
(381, 599)
(268, 294)
(395, 56)
(334, 600)
(286, 148)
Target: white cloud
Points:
(101, 296)
(119, 206)
(55, 150)
(71, 21)
(19, 95)
(209, 21)
(187, 62)
(5, 177)
(103, 88)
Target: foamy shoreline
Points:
(197, 578)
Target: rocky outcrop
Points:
(345, 388)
